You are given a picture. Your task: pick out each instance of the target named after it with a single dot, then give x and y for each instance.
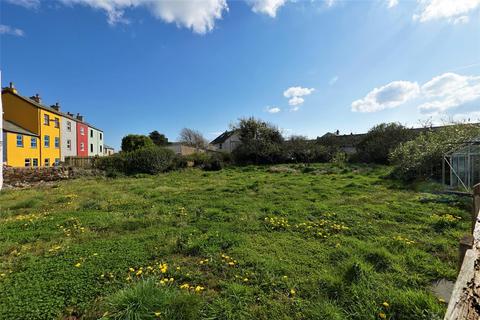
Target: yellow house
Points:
(31, 115)
(21, 147)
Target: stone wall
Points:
(19, 177)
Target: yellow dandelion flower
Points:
(292, 291)
(199, 288)
(131, 269)
(171, 279)
(382, 315)
(185, 286)
(231, 263)
(78, 265)
(285, 277)
(139, 272)
(385, 304)
(157, 313)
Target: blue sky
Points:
(133, 66)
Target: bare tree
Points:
(193, 138)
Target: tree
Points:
(381, 140)
(193, 138)
(423, 156)
(134, 142)
(261, 142)
(158, 138)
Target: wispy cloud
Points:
(333, 80)
(4, 29)
(392, 3)
(29, 4)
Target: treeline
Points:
(413, 153)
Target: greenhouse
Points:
(461, 167)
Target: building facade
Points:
(226, 142)
(38, 135)
(21, 147)
(68, 137)
(95, 142)
(82, 140)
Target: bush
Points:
(134, 142)
(261, 143)
(423, 156)
(112, 164)
(208, 161)
(150, 160)
(381, 140)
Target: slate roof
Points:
(223, 137)
(12, 127)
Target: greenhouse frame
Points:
(461, 166)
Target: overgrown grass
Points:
(253, 242)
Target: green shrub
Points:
(423, 156)
(150, 160)
(111, 164)
(134, 142)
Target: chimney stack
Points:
(11, 88)
(79, 117)
(56, 106)
(36, 98)
(70, 114)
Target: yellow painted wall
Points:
(20, 112)
(51, 152)
(16, 155)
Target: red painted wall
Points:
(82, 139)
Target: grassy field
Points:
(284, 242)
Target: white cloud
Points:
(297, 92)
(273, 110)
(268, 7)
(392, 3)
(333, 80)
(29, 4)
(4, 29)
(295, 101)
(450, 10)
(461, 20)
(449, 90)
(200, 16)
(330, 3)
(389, 96)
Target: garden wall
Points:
(19, 177)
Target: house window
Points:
(27, 162)
(100, 149)
(220, 146)
(57, 142)
(46, 119)
(69, 144)
(46, 141)
(19, 140)
(57, 123)
(69, 126)
(91, 133)
(47, 162)
(101, 137)
(82, 146)
(91, 147)
(82, 131)
(35, 162)
(33, 143)
(57, 162)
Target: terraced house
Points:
(38, 135)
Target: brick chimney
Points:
(36, 98)
(56, 106)
(79, 117)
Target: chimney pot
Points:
(56, 106)
(36, 98)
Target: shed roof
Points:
(223, 137)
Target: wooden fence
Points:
(464, 303)
(79, 162)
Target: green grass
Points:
(280, 242)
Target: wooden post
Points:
(466, 243)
